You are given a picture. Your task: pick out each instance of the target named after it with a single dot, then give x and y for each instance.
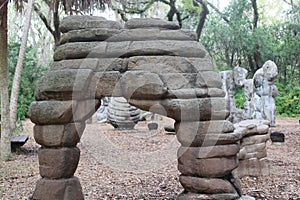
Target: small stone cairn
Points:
(121, 114)
(253, 152)
(156, 67)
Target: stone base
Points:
(253, 167)
(195, 196)
(62, 189)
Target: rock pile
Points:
(253, 153)
(156, 67)
(121, 114)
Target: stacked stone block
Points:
(156, 67)
(121, 114)
(253, 153)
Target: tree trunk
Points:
(202, 19)
(5, 147)
(19, 67)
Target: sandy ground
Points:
(141, 164)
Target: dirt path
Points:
(139, 164)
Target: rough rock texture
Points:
(157, 67)
(67, 189)
(58, 163)
(206, 185)
(253, 153)
(67, 135)
(121, 114)
(151, 23)
(77, 22)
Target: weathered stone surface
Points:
(255, 139)
(255, 147)
(206, 168)
(209, 79)
(195, 196)
(170, 64)
(208, 133)
(186, 109)
(142, 85)
(257, 154)
(213, 126)
(86, 35)
(79, 50)
(77, 22)
(253, 167)
(95, 64)
(195, 93)
(59, 162)
(58, 135)
(209, 152)
(150, 23)
(64, 85)
(66, 189)
(106, 84)
(121, 114)
(62, 112)
(142, 34)
(177, 80)
(206, 185)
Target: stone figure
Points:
(248, 93)
(265, 91)
(102, 111)
(239, 76)
(230, 80)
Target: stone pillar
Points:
(206, 159)
(58, 129)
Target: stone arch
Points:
(157, 67)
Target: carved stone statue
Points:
(232, 79)
(265, 91)
(239, 76)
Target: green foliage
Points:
(30, 75)
(190, 7)
(239, 98)
(288, 101)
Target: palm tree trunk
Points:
(19, 67)
(5, 147)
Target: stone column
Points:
(206, 158)
(59, 126)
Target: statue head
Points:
(270, 70)
(239, 76)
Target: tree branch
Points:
(219, 12)
(202, 19)
(43, 18)
(255, 14)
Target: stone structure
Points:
(253, 153)
(156, 67)
(232, 79)
(121, 114)
(101, 113)
(249, 104)
(264, 92)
